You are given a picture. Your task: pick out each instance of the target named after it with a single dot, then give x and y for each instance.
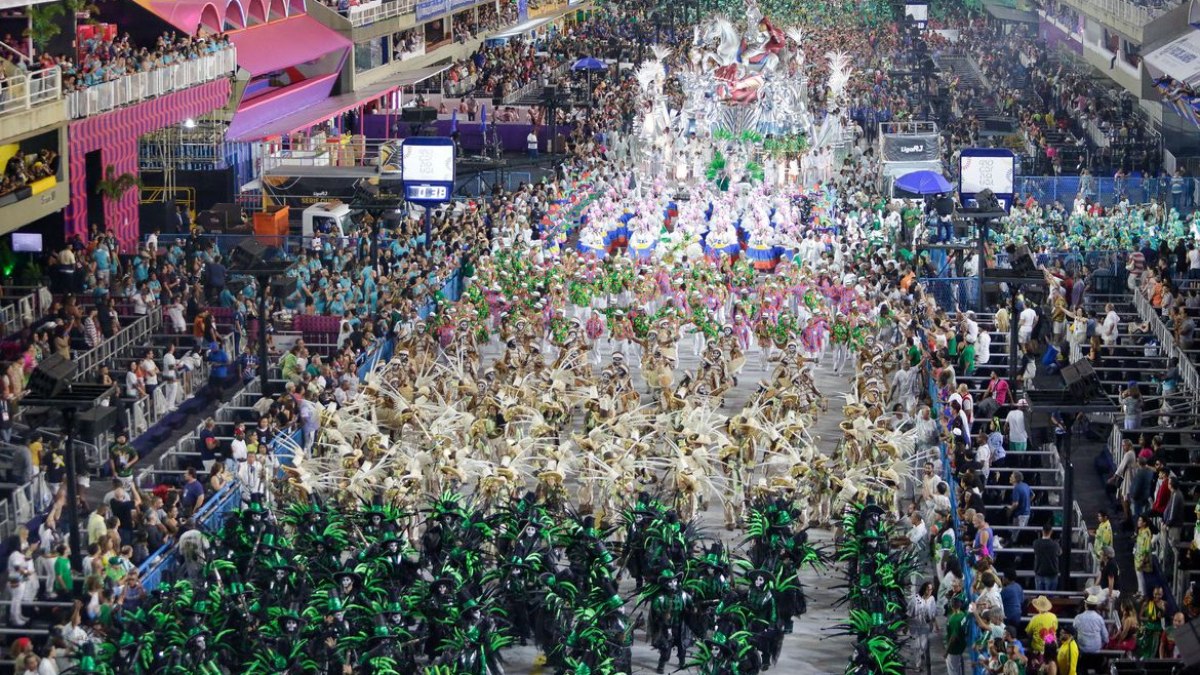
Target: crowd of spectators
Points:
(101, 60)
(22, 169)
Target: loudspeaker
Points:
(986, 199)
(1081, 380)
(419, 115)
(51, 377)
(1022, 260)
(97, 421)
(249, 254)
(1187, 641)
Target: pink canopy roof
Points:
(292, 41)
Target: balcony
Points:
(1142, 21)
(42, 188)
(375, 11)
(138, 87)
(31, 101)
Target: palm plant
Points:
(44, 23)
(113, 186)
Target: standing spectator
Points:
(193, 493)
(1014, 426)
(208, 444)
(531, 144)
(1131, 405)
(955, 639)
(1092, 634)
(1109, 572)
(1012, 597)
(170, 377)
(1046, 554)
(1043, 624)
(1142, 489)
(1143, 552)
(1068, 651)
(922, 619)
(150, 372)
(1022, 500)
(237, 448)
(121, 458)
(95, 525)
(123, 506)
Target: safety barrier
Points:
(1109, 191)
(207, 519)
(1148, 315)
(137, 87)
(19, 311)
(24, 91)
(149, 409)
(368, 13)
(960, 550)
(951, 292)
(137, 331)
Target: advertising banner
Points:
(910, 148)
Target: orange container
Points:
(271, 225)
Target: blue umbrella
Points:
(923, 183)
(589, 63)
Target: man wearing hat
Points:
(1091, 634)
(1043, 624)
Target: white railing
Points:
(24, 310)
(1123, 10)
(22, 505)
(148, 410)
(136, 332)
(373, 12)
(22, 92)
(1146, 311)
(140, 86)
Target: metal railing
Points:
(25, 91)
(135, 332)
(140, 86)
(148, 410)
(208, 519)
(372, 12)
(1123, 10)
(21, 506)
(1109, 191)
(16, 312)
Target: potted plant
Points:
(113, 186)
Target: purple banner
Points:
(470, 139)
(1056, 37)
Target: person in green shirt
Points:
(121, 457)
(64, 581)
(956, 638)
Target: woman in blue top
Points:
(337, 307)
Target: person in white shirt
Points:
(175, 314)
(140, 308)
(1111, 326)
(983, 455)
(1026, 322)
(237, 448)
(133, 382)
(253, 475)
(971, 328)
(170, 377)
(1014, 425)
(150, 372)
